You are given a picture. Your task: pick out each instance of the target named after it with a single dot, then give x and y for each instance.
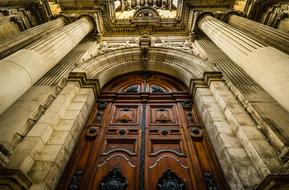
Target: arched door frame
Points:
(208, 91)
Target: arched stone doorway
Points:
(144, 132)
(245, 156)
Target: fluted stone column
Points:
(19, 71)
(20, 40)
(138, 3)
(268, 66)
(269, 35)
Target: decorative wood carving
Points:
(158, 146)
(170, 181)
(210, 181)
(75, 181)
(196, 133)
(144, 137)
(125, 114)
(124, 145)
(164, 114)
(114, 181)
(91, 132)
(101, 107)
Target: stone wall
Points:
(245, 155)
(46, 149)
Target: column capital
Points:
(226, 15)
(93, 20)
(197, 17)
(66, 18)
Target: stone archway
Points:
(214, 100)
(118, 138)
(228, 125)
(179, 64)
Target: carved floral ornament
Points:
(185, 46)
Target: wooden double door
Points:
(143, 133)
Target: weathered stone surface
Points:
(26, 108)
(227, 146)
(21, 161)
(45, 151)
(58, 137)
(23, 68)
(43, 131)
(49, 153)
(246, 130)
(39, 171)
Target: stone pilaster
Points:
(266, 34)
(245, 155)
(19, 71)
(16, 42)
(257, 102)
(45, 151)
(266, 65)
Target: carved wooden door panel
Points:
(144, 133)
(118, 156)
(167, 160)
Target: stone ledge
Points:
(204, 82)
(14, 178)
(85, 82)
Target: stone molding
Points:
(85, 82)
(226, 15)
(94, 30)
(14, 178)
(197, 17)
(182, 65)
(65, 17)
(204, 82)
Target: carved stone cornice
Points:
(204, 82)
(85, 82)
(258, 7)
(112, 26)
